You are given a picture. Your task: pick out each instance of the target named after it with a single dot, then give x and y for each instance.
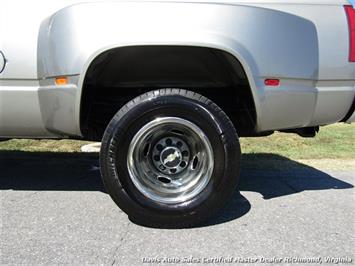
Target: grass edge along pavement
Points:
(334, 146)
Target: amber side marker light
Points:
(350, 12)
(61, 81)
(272, 82)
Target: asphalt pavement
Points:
(54, 210)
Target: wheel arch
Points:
(232, 54)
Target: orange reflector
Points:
(272, 82)
(61, 81)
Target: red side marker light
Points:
(350, 11)
(272, 82)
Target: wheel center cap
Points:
(171, 157)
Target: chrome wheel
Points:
(170, 160)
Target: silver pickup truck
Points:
(169, 86)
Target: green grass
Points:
(332, 142)
(32, 145)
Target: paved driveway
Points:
(54, 211)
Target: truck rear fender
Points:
(267, 43)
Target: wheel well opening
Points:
(117, 76)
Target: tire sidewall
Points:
(208, 118)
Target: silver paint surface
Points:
(303, 43)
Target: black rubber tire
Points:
(187, 105)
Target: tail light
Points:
(350, 11)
